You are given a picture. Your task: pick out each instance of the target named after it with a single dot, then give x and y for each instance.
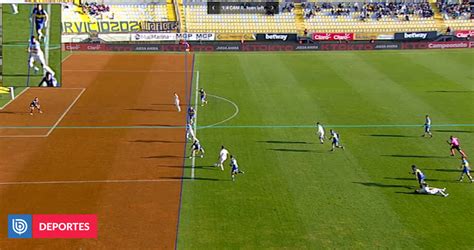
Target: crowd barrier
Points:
(272, 46)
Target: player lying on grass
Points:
(427, 127)
(320, 132)
(176, 102)
(48, 81)
(35, 104)
(222, 157)
(454, 142)
(234, 168)
(203, 96)
(191, 115)
(335, 140)
(37, 55)
(40, 17)
(425, 189)
(196, 148)
(466, 169)
(420, 177)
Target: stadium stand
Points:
(197, 20)
(372, 17)
(122, 12)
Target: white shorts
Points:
(37, 58)
(222, 159)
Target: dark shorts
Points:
(456, 147)
(39, 25)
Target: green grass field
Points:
(16, 33)
(297, 194)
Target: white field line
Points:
(65, 112)
(86, 182)
(46, 44)
(6, 104)
(193, 161)
(57, 122)
(237, 110)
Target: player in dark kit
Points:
(35, 105)
(203, 95)
(40, 17)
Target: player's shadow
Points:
(452, 131)
(192, 179)
(286, 142)
(383, 185)
(444, 170)
(162, 156)
(189, 167)
(294, 150)
(413, 179)
(162, 104)
(418, 156)
(451, 91)
(394, 136)
(151, 110)
(155, 141)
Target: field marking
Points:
(51, 128)
(65, 112)
(193, 160)
(227, 119)
(6, 104)
(125, 71)
(46, 44)
(87, 182)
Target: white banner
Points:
(173, 36)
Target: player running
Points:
(41, 18)
(222, 158)
(425, 189)
(196, 148)
(234, 168)
(176, 102)
(466, 169)
(191, 115)
(420, 177)
(203, 96)
(37, 55)
(454, 142)
(335, 140)
(190, 133)
(320, 132)
(427, 127)
(35, 104)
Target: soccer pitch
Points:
(295, 193)
(16, 33)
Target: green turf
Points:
(16, 32)
(295, 193)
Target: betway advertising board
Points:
(416, 35)
(318, 36)
(276, 37)
(173, 37)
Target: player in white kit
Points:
(37, 55)
(320, 132)
(222, 158)
(190, 132)
(15, 8)
(425, 189)
(176, 102)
